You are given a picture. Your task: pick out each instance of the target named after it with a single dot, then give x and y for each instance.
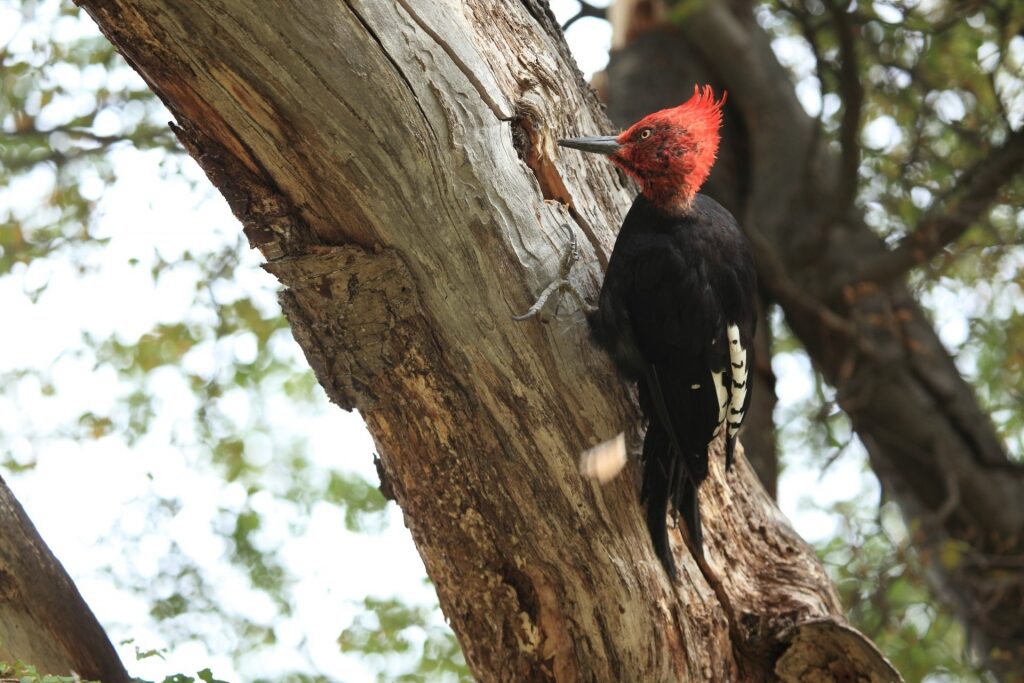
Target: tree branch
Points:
(810, 32)
(772, 275)
(752, 72)
(851, 90)
(43, 618)
(586, 10)
(977, 191)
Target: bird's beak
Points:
(599, 144)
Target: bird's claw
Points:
(561, 282)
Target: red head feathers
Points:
(669, 152)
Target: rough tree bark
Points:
(394, 162)
(933, 449)
(43, 619)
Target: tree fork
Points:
(368, 150)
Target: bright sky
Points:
(90, 499)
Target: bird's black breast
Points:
(674, 281)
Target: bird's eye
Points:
(645, 133)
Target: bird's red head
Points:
(669, 152)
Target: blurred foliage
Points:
(389, 626)
(66, 103)
(70, 110)
(942, 84)
(20, 672)
(871, 557)
(939, 85)
(205, 675)
(882, 584)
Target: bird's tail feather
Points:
(689, 507)
(656, 492)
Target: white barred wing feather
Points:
(738, 387)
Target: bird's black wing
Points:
(679, 346)
(724, 250)
(677, 324)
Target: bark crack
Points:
(457, 61)
(722, 595)
(534, 146)
(398, 69)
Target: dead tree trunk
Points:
(43, 620)
(394, 162)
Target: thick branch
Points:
(780, 134)
(43, 619)
(774, 277)
(810, 32)
(977, 190)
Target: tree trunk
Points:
(43, 620)
(932, 447)
(395, 164)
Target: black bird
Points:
(677, 309)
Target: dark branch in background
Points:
(851, 91)
(977, 190)
(586, 10)
(752, 70)
(772, 275)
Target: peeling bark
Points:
(395, 164)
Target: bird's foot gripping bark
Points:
(560, 284)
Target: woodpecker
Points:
(677, 308)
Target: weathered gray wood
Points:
(394, 161)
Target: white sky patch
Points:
(589, 38)
(921, 197)
(795, 54)
(808, 91)
(1016, 49)
(797, 371)
(887, 12)
(949, 105)
(976, 20)
(882, 133)
(893, 75)
(1008, 82)
(831, 104)
(988, 56)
